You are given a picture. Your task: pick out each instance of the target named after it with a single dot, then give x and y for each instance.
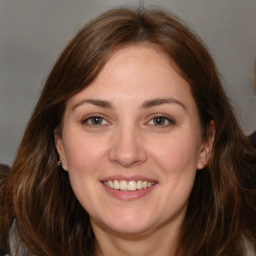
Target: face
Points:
(131, 143)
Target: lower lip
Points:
(128, 195)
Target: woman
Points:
(132, 149)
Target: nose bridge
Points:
(127, 146)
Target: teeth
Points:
(111, 185)
(131, 185)
(116, 184)
(150, 184)
(123, 185)
(139, 184)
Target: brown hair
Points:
(4, 172)
(50, 221)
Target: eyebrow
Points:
(159, 101)
(98, 103)
(146, 104)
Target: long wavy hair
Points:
(37, 202)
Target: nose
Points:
(127, 148)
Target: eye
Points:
(95, 121)
(161, 120)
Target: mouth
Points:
(130, 185)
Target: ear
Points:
(60, 149)
(206, 147)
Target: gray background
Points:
(34, 32)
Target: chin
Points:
(127, 224)
(134, 229)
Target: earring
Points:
(59, 163)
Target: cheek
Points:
(83, 158)
(178, 162)
(177, 155)
(83, 154)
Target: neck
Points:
(162, 241)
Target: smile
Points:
(131, 185)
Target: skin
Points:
(127, 140)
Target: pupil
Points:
(159, 121)
(96, 120)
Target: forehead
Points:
(146, 56)
(137, 72)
